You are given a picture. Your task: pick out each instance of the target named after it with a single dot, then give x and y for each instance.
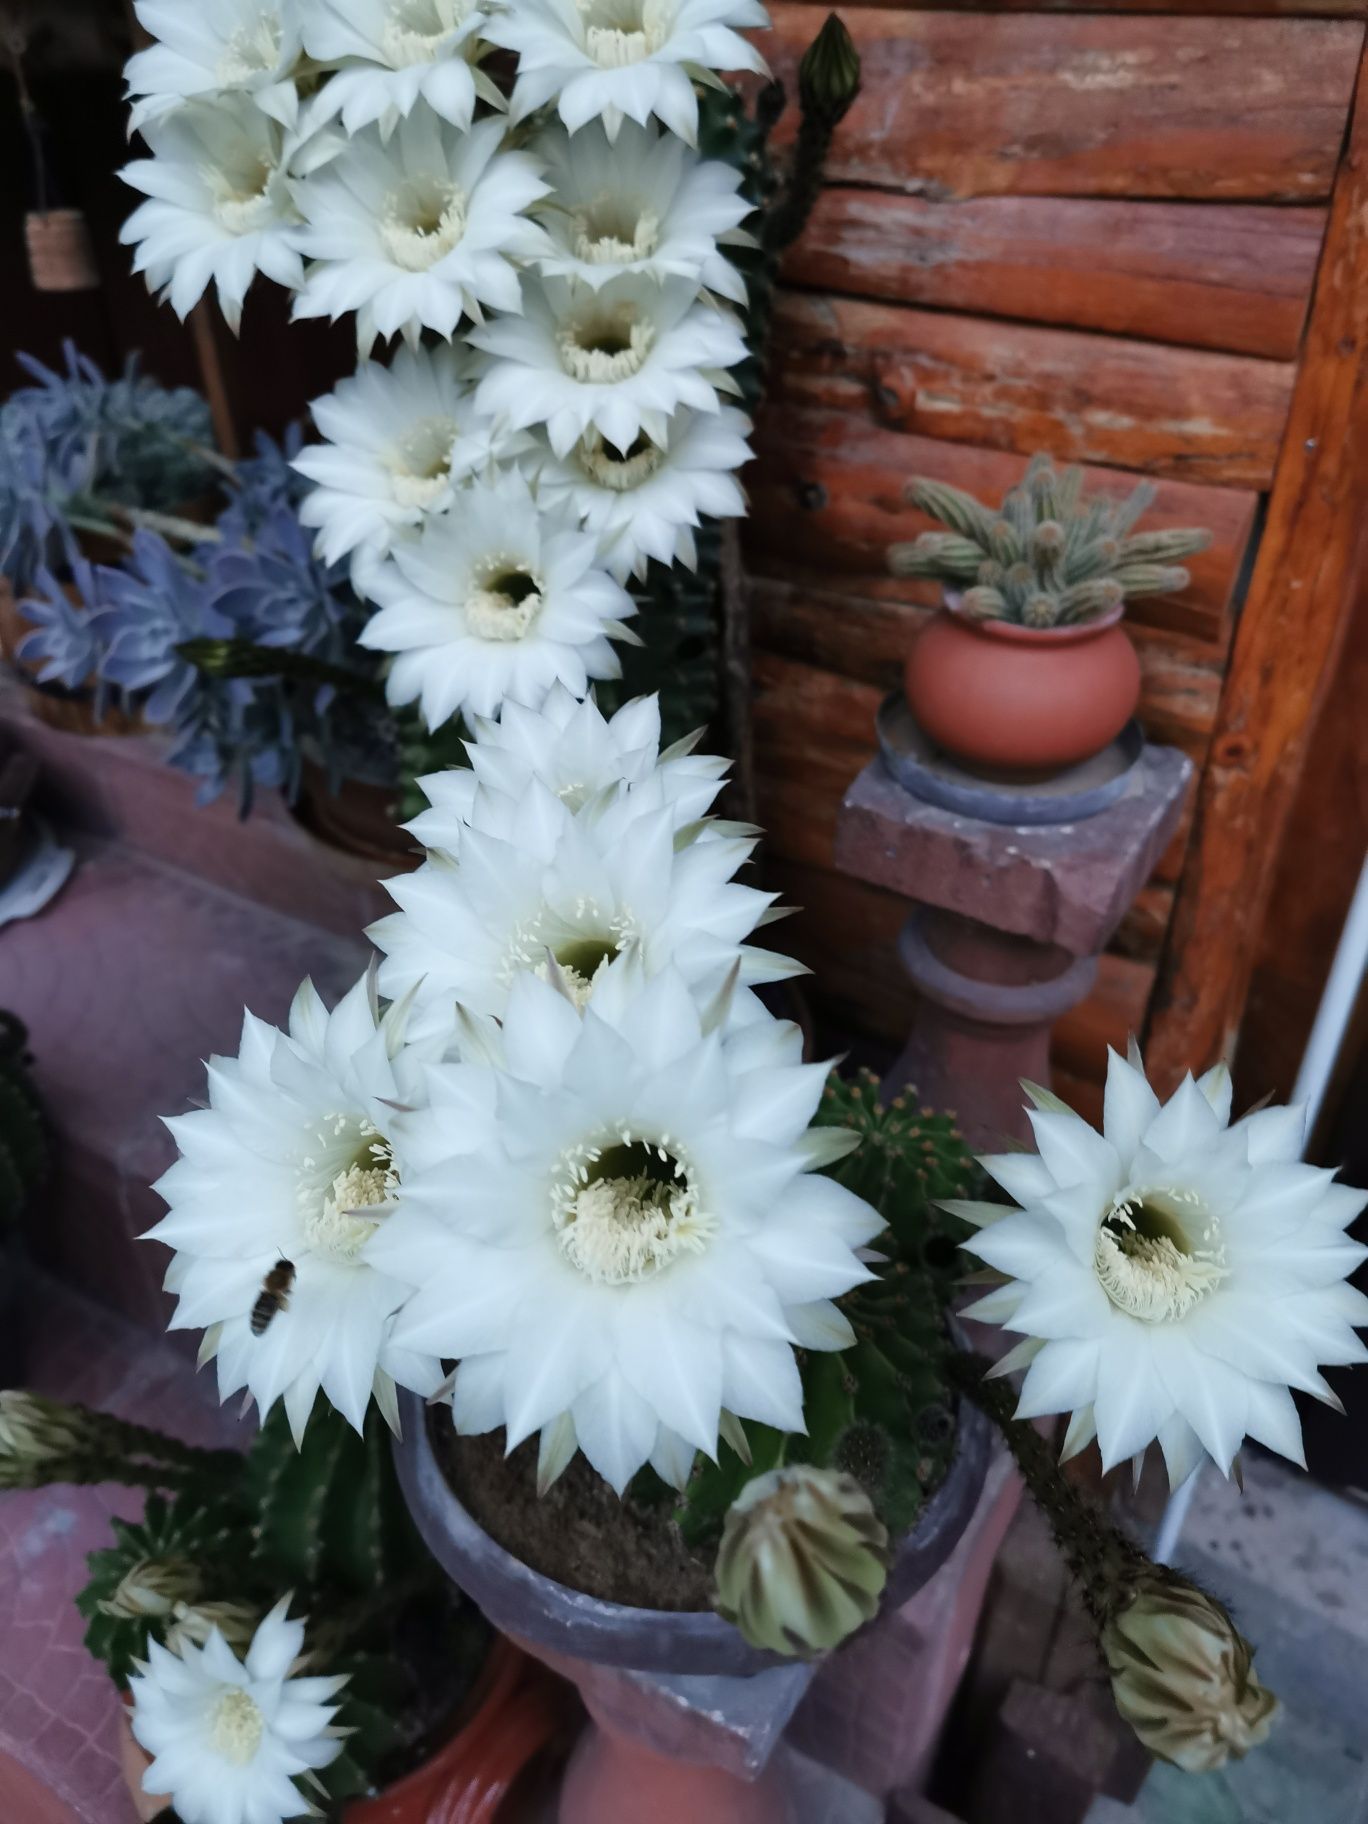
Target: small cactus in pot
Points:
(1050, 556)
(1026, 671)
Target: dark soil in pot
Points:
(579, 1533)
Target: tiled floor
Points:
(58, 1710)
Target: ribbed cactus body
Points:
(1049, 557)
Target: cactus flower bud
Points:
(33, 1432)
(195, 1622)
(153, 1587)
(829, 74)
(1183, 1677)
(803, 1560)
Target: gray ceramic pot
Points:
(534, 1609)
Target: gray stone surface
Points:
(1067, 884)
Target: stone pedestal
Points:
(1005, 928)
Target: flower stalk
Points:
(1181, 1673)
(248, 659)
(828, 83)
(43, 1442)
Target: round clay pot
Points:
(515, 1710)
(548, 1615)
(685, 1716)
(1021, 701)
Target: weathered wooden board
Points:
(1325, 842)
(1210, 275)
(1187, 414)
(1307, 577)
(827, 500)
(1302, 9)
(964, 104)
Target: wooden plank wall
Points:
(1094, 234)
(1093, 231)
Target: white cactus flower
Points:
(619, 1232)
(1174, 1275)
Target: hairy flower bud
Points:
(196, 1621)
(1183, 1677)
(803, 1560)
(33, 1432)
(829, 74)
(153, 1587)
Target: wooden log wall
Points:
(1094, 234)
(1128, 236)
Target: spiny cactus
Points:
(909, 1160)
(879, 1409)
(179, 1555)
(1050, 557)
(23, 1136)
(331, 1512)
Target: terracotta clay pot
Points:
(60, 254)
(1021, 701)
(516, 1710)
(686, 1717)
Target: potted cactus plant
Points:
(1026, 670)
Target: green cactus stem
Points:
(1050, 557)
(43, 1442)
(246, 659)
(828, 82)
(1182, 1675)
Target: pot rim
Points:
(1013, 633)
(534, 1608)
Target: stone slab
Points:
(1065, 884)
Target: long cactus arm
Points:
(953, 507)
(1162, 547)
(943, 554)
(1124, 513)
(1152, 579)
(1096, 597)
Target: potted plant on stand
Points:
(273, 1618)
(1026, 670)
(678, 1299)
